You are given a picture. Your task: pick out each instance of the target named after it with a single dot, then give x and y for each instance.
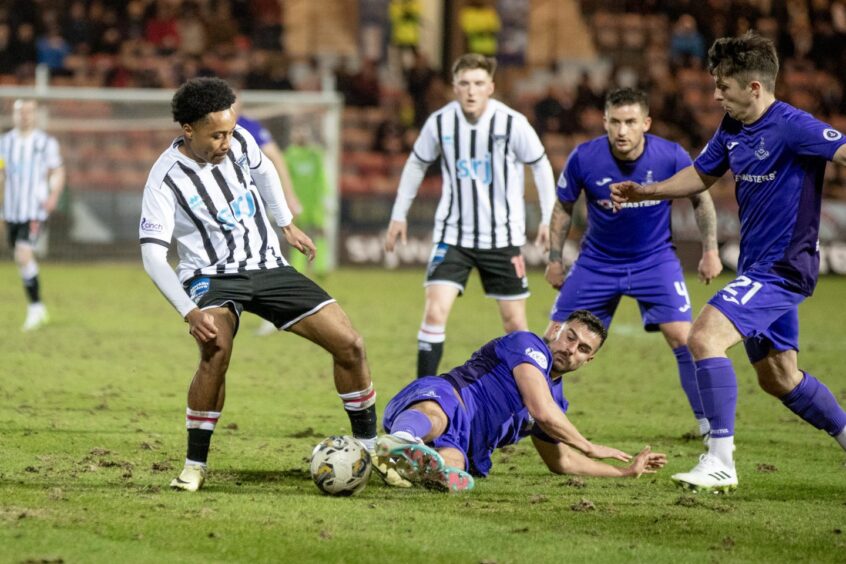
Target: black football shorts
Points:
(281, 295)
(503, 270)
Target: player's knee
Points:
(697, 343)
(349, 351)
(215, 354)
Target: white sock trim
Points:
(431, 333)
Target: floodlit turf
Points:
(91, 432)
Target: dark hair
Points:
(474, 61)
(592, 322)
(627, 96)
(747, 58)
(199, 97)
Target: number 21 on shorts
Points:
(741, 290)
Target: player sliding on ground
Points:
(443, 429)
(777, 155)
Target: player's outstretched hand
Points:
(710, 266)
(647, 462)
(396, 230)
(542, 240)
(625, 191)
(299, 241)
(201, 325)
(554, 274)
(602, 451)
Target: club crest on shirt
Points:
(242, 162)
(538, 357)
(832, 134)
(761, 152)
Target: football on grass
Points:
(340, 465)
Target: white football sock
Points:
(722, 448)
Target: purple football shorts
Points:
(659, 289)
(440, 391)
(763, 310)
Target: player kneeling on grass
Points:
(443, 429)
(214, 192)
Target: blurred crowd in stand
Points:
(658, 45)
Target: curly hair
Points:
(198, 97)
(746, 58)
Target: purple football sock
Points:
(813, 401)
(687, 375)
(718, 390)
(413, 422)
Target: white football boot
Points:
(36, 316)
(191, 479)
(710, 475)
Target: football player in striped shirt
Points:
(218, 196)
(32, 179)
(483, 146)
(777, 155)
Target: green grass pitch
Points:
(92, 431)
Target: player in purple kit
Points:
(777, 155)
(630, 253)
(443, 429)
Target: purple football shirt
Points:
(490, 394)
(778, 164)
(640, 231)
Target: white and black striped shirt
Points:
(27, 161)
(482, 204)
(216, 213)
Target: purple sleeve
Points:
(713, 160)
(523, 347)
(811, 137)
(570, 182)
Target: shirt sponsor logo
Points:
(475, 169)
(603, 182)
(538, 357)
(649, 179)
(756, 178)
(150, 227)
(609, 205)
(832, 134)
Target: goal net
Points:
(110, 138)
